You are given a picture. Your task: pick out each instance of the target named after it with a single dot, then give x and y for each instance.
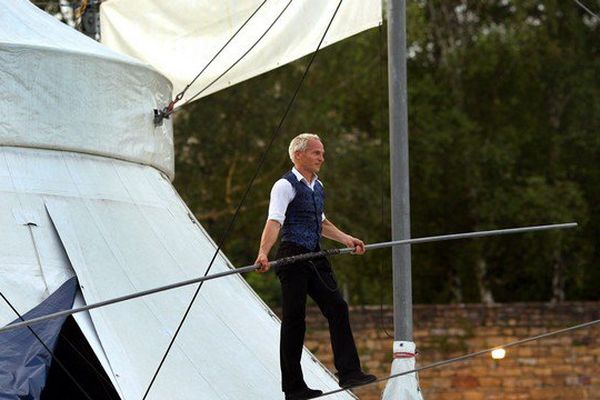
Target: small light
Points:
(498, 354)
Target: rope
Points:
(331, 289)
(580, 4)
(471, 355)
(159, 115)
(54, 358)
(168, 110)
(242, 56)
(404, 354)
(262, 160)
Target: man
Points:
(297, 210)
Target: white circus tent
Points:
(85, 192)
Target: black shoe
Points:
(302, 394)
(356, 379)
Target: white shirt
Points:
(283, 193)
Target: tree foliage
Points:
(503, 118)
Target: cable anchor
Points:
(160, 115)
(165, 113)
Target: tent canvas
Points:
(180, 37)
(87, 193)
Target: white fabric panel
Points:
(179, 37)
(20, 273)
(62, 90)
(32, 261)
(125, 229)
(405, 387)
(84, 321)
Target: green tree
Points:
(503, 115)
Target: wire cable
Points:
(242, 56)
(580, 4)
(180, 95)
(261, 162)
(54, 358)
(239, 59)
(471, 355)
(333, 288)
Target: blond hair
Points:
(300, 142)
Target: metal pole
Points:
(399, 170)
(285, 261)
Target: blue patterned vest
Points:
(302, 223)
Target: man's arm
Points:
(330, 231)
(267, 240)
(281, 195)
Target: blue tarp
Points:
(24, 361)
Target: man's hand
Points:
(268, 238)
(263, 260)
(357, 244)
(330, 231)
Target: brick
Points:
(527, 383)
(465, 382)
(439, 383)
(490, 382)
(565, 367)
(471, 395)
(545, 371)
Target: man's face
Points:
(310, 160)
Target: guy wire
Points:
(225, 235)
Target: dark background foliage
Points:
(503, 117)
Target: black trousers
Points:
(314, 278)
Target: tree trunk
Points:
(485, 292)
(558, 278)
(455, 287)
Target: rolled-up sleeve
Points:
(281, 196)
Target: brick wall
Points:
(562, 367)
